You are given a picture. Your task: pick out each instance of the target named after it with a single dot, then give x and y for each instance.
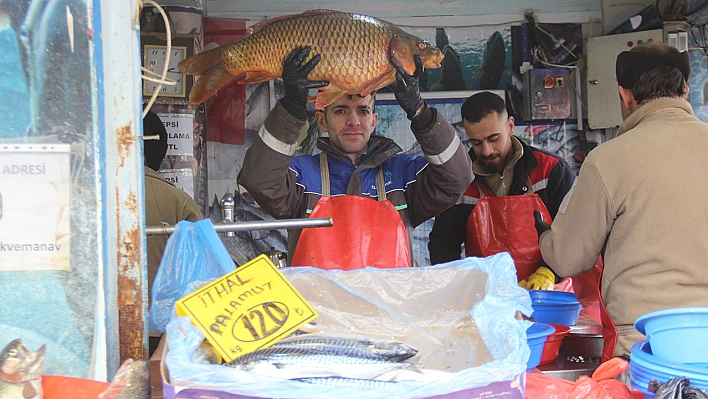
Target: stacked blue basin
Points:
(535, 337)
(555, 307)
(644, 367)
(679, 338)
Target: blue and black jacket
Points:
(419, 187)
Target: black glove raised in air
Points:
(407, 89)
(297, 86)
(541, 226)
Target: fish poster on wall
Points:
(48, 81)
(476, 58)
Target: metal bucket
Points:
(582, 345)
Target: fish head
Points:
(403, 47)
(16, 359)
(394, 350)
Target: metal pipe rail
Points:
(250, 225)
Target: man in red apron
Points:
(511, 180)
(639, 200)
(375, 194)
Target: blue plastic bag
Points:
(194, 256)
(410, 301)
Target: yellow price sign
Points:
(248, 309)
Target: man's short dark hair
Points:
(662, 81)
(479, 105)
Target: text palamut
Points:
(235, 289)
(29, 247)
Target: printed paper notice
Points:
(34, 207)
(179, 133)
(181, 178)
(250, 308)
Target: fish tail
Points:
(212, 74)
(201, 63)
(209, 83)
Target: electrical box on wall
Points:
(676, 34)
(547, 94)
(603, 97)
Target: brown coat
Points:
(641, 200)
(164, 203)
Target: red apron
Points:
(365, 232)
(587, 289)
(506, 224)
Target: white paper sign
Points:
(180, 130)
(35, 203)
(181, 178)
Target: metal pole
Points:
(253, 225)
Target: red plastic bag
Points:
(601, 385)
(506, 224)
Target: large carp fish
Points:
(355, 51)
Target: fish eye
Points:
(12, 352)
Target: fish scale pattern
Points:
(354, 48)
(355, 51)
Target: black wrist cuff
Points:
(424, 122)
(297, 111)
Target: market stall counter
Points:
(459, 317)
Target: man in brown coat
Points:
(640, 199)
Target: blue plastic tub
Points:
(555, 307)
(677, 335)
(535, 337)
(644, 367)
(644, 391)
(641, 376)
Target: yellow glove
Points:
(541, 279)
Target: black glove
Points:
(407, 89)
(541, 226)
(297, 86)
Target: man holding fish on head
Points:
(375, 195)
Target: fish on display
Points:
(316, 343)
(345, 382)
(359, 347)
(323, 365)
(21, 371)
(355, 51)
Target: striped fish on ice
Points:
(350, 345)
(321, 365)
(345, 382)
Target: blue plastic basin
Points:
(642, 376)
(677, 335)
(555, 307)
(644, 391)
(644, 367)
(535, 337)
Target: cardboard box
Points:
(513, 389)
(155, 372)
(475, 336)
